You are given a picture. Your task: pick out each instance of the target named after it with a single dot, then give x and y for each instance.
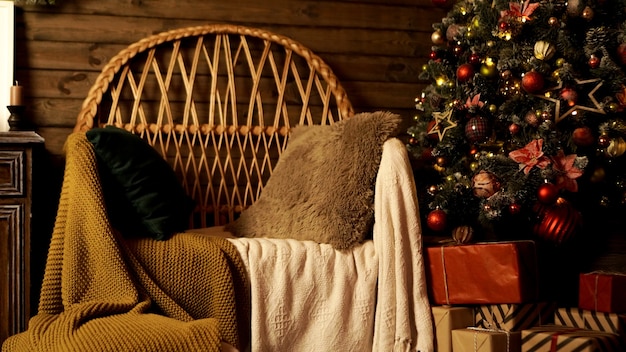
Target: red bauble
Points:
(464, 72)
(594, 61)
(556, 223)
(547, 193)
(433, 55)
(474, 59)
(427, 154)
(437, 220)
(569, 95)
(432, 136)
(604, 140)
(514, 128)
(583, 136)
(532, 82)
(621, 52)
(515, 208)
(477, 129)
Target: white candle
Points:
(17, 95)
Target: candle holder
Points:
(15, 119)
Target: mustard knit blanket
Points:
(104, 293)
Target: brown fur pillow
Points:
(322, 188)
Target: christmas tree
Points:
(521, 129)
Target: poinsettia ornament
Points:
(567, 172)
(521, 11)
(530, 156)
(474, 102)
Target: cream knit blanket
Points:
(309, 297)
(104, 293)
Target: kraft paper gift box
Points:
(482, 273)
(515, 317)
(447, 319)
(486, 340)
(602, 292)
(586, 319)
(555, 338)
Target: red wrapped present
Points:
(602, 292)
(482, 273)
(555, 338)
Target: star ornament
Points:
(597, 108)
(558, 116)
(443, 122)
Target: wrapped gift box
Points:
(514, 317)
(586, 319)
(555, 338)
(447, 319)
(486, 340)
(602, 292)
(482, 273)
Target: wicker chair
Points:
(218, 102)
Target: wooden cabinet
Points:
(16, 160)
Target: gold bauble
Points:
(553, 21)
(559, 62)
(544, 50)
(616, 147)
(493, 108)
(488, 71)
(437, 37)
(476, 22)
(587, 13)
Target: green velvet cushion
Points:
(142, 193)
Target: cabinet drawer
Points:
(12, 173)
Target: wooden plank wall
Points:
(376, 47)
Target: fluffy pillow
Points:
(142, 192)
(322, 188)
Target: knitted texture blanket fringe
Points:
(104, 293)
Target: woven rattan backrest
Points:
(217, 102)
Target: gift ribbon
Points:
(595, 294)
(477, 330)
(445, 276)
(555, 337)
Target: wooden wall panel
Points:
(376, 48)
